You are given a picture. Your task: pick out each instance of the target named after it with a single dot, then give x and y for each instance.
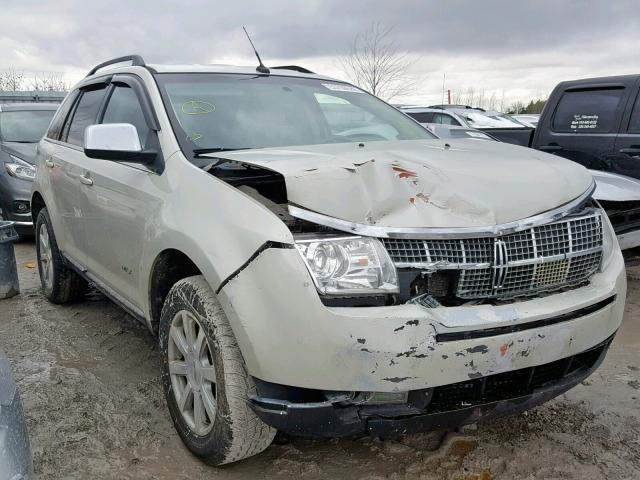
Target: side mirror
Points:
(115, 141)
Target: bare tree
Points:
(376, 64)
(11, 80)
(48, 82)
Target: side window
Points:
(58, 120)
(124, 107)
(443, 119)
(634, 122)
(85, 114)
(422, 117)
(588, 111)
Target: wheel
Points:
(59, 283)
(205, 379)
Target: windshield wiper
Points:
(203, 151)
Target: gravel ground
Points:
(89, 378)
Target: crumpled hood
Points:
(422, 183)
(24, 151)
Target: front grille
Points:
(543, 258)
(513, 384)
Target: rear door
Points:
(64, 161)
(584, 124)
(627, 149)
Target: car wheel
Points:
(205, 379)
(59, 283)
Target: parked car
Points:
(594, 122)
(499, 125)
(22, 125)
(313, 261)
(528, 119)
(15, 450)
(452, 131)
(618, 195)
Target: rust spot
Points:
(504, 349)
(412, 200)
(403, 173)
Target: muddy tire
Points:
(60, 284)
(205, 379)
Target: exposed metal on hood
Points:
(444, 233)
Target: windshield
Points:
(25, 126)
(227, 112)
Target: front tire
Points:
(205, 379)
(60, 284)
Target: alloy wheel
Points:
(46, 257)
(192, 371)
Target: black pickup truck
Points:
(595, 122)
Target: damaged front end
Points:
(401, 327)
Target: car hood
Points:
(615, 188)
(422, 183)
(24, 151)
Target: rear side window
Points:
(124, 107)
(443, 119)
(588, 111)
(86, 114)
(58, 120)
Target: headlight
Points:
(348, 265)
(20, 169)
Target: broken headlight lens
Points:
(348, 265)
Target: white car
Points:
(527, 119)
(314, 261)
(462, 116)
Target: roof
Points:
(416, 109)
(21, 106)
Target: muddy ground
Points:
(89, 378)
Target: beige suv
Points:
(316, 262)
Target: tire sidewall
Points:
(215, 445)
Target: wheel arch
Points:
(169, 266)
(37, 204)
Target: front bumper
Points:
(14, 190)
(447, 406)
(288, 337)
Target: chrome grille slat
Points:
(543, 258)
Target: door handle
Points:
(631, 150)
(49, 163)
(85, 180)
(550, 148)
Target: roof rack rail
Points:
(295, 68)
(443, 106)
(136, 61)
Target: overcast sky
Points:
(495, 46)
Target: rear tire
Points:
(205, 379)
(60, 284)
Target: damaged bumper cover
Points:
(447, 406)
(405, 347)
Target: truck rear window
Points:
(588, 111)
